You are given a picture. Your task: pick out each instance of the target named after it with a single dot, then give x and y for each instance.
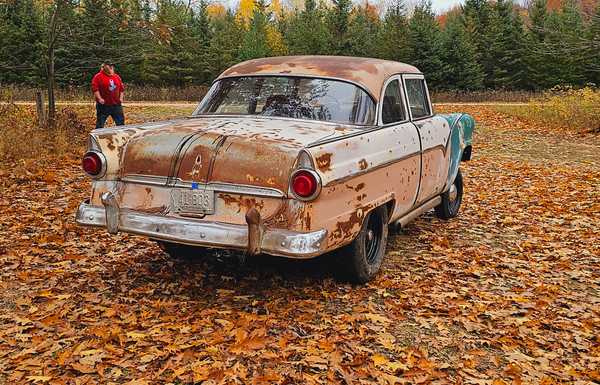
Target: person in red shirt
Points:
(108, 90)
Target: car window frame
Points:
(429, 104)
(404, 100)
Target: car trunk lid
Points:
(239, 150)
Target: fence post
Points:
(41, 112)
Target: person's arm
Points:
(96, 90)
(99, 97)
(122, 90)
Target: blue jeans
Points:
(115, 112)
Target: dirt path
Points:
(508, 291)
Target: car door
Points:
(433, 133)
(405, 158)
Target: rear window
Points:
(291, 97)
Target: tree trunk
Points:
(41, 111)
(50, 76)
(51, 85)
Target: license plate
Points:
(193, 201)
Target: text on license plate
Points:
(193, 201)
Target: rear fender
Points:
(459, 143)
(112, 141)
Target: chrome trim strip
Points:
(376, 167)
(330, 139)
(146, 179)
(214, 186)
(262, 117)
(411, 215)
(193, 232)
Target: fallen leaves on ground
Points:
(508, 292)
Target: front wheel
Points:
(451, 199)
(363, 257)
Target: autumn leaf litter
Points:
(507, 292)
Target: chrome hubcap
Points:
(453, 193)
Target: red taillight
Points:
(92, 163)
(304, 184)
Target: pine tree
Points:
(564, 46)
(180, 42)
(477, 16)
(104, 30)
(593, 49)
(21, 34)
(225, 43)
(507, 48)
(179, 56)
(363, 30)
(424, 39)
(254, 44)
(537, 65)
(339, 20)
(463, 71)
(394, 33)
(307, 32)
(573, 43)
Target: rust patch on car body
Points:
(369, 73)
(345, 230)
(280, 218)
(158, 210)
(362, 164)
(324, 162)
(242, 203)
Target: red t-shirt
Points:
(110, 87)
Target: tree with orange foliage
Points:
(255, 43)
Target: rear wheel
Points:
(363, 257)
(451, 199)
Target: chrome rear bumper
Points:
(201, 233)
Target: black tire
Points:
(363, 257)
(451, 199)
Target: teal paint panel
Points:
(461, 136)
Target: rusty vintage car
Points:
(289, 156)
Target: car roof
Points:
(369, 73)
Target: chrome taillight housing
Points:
(94, 164)
(305, 184)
